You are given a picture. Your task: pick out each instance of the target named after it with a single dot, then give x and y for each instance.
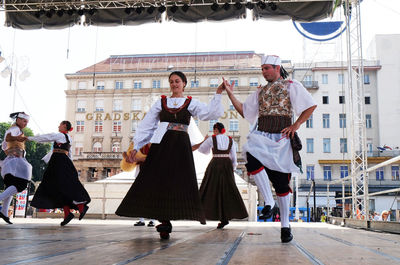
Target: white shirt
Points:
(150, 130)
(300, 99)
(222, 144)
(52, 137)
(14, 131)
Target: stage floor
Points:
(87, 242)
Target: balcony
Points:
(310, 84)
(101, 155)
(385, 153)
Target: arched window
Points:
(97, 147)
(116, 147)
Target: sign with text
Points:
(21, 203)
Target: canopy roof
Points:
(53, 14)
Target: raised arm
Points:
(235, 102)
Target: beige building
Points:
(106, 101)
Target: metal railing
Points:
(349, 179)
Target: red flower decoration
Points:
(189, 97)
(223, 130)
(71, 129)
(163, 96)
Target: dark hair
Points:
(180, 74)
(68, 124)
(284, 74)
(219, 126)
(15, 114)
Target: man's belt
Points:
(62, 151)
(177, 127)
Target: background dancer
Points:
(219, 195)
(15, 170)
(166, 187)
(273, 145)
(60, 186)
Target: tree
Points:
(34, 152)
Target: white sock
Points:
(141, 219)
(283, 203)
(6, 204)
(262, 181)
(10, 191)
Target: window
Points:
(100, 85)
(308, 80)
(341, 79)
(344, 171)
(194, 83)
(78, 149)
(136, 104)
(214, 82)
(80, 126)
(367, 100)
(98, 126)
(253, 81)
(137, 84)
(369, 147)
(309, 122)
(233, 125)
(97, 147)
(368, 121)
(156, 84)
(119, 84)
(341, 100)
(380, 174)
(81, 106)
(342, 120)
(231, 107)
(197, 122)
(366, 79)
(235, 81)
(82, 85)
(327, 173)
(310, 172)
(134, 125)
(211, 125)
(310, 145)
(116, 147)
(395, 173)
(117, 105)
(324, 79)
(116, 126)
(99, 104)
(343, 145)
(325, 100)
(325, 120)
(326, 145)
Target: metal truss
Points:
(359, 174)
(37, 5)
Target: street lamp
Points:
(16, 68)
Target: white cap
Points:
(271, 59)
(23, 116)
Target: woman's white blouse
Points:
(222, 144)
(150, 130)
(52, 137)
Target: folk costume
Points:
(219, 195)
(15, 169)
(60, 186)
(166, 187)
(271, 156)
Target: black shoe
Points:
(267, 212)
(286, 235)
(67, 219)
(164, 227)
(139, 223)
(222, 224)
(5, 218)
(150, 224)
(85, 208)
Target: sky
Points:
(44, 52)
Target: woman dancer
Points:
(218, 192)
(60, 187)
(166, 187)
(15, 170)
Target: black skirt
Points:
(60, 185)
(166, 186)
(219, 194)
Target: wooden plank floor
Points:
(87, 242)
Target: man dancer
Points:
(272, 146)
